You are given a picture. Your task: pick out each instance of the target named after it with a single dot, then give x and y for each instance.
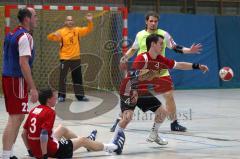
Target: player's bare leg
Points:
(171, 108)
(127, 116)
(160, 115)
(10, 133)
(62, 131)
(87, 143)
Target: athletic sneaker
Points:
(61, 99)
(114, 125)
(119, 141)
(154, 137)
(82, 99)
(92, 136)
(175, 126)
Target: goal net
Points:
(100, 50)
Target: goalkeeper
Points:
(69, 38)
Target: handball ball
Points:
(226, 73)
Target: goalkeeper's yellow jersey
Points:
(69, 40)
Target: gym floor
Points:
(211, 117)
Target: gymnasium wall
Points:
(228, 33)
(219, 37)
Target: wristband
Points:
(178, 49)
(196, 66)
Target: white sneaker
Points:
(153, 137)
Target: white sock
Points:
(109, 147)
(156, 126)
(118, 129)
(11, 154)
(6, 154)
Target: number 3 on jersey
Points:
(33, 125)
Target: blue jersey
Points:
(11, 66)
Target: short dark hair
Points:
(23, 13)
(44, 95)
(152, 38)
(151, 13)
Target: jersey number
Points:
(157, 65)
(33, 125)
(128, 101)
(25, 107)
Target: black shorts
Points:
(65, 149)
(145, 102)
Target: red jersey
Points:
(40, 117)
(144, 61)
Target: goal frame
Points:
(124, 11)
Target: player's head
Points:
(155, 42)
(27, 17)
(47, 97)
(151, 20)
(69, 21)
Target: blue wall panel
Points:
(228, 33)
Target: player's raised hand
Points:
(57, 34)
(89, 16)
(204, 68)
(134, 97)
(123, 63)
(195, 48)
(34, 95)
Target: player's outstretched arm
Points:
(171, 44)
(129, 54)
(89, 17)
(44, 142)
(55, 36)
(204, 68)
(126, 57)
(83, 31)
(190, 66)
(195, 48)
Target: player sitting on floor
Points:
(42, 142)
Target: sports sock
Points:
(109, 147)
(6, 154)
(11, 154)
(156, 126)
(118, 129)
